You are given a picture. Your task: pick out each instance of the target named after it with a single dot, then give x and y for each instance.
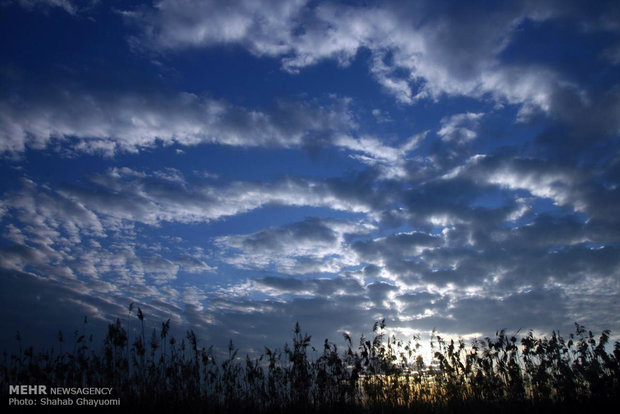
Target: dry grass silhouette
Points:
(377, 374)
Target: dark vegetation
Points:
(379, 374)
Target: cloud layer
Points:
(469, 183)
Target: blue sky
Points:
(239, 166)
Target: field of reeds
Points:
(378, 374)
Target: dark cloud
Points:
(402, 244)
(418, 303)
(39, 308)
(534, 309)
(323, 287)
(378, 292)
(312, 230)
(312, 245)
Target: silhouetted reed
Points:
(379, 374)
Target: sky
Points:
(238, 166)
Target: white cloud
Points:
(125, 196)
(562, 185)
(108, 123)
(194, 264)
(552, 186)
(460, 128)
(67, 5)
(259, 26)
(58, 235)
(47, 213)
(390, 160)
(94, 232)
(381, 116)
(416, 52)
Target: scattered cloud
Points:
(459, 128)
(480, 193)
(310, 246)
(70, 6)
